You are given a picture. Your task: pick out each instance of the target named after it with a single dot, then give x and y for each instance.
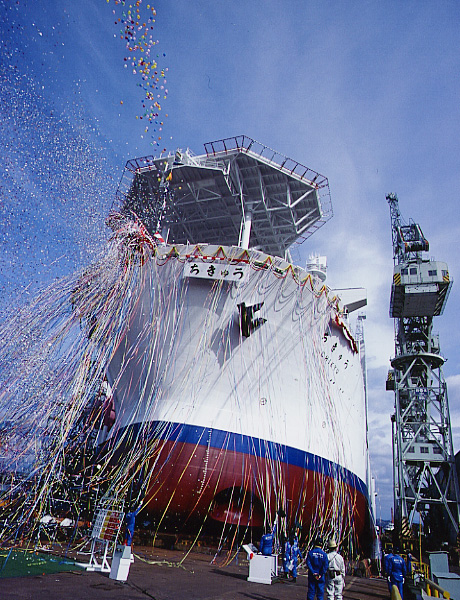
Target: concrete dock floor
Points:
(156, 574)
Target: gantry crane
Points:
(425, 478)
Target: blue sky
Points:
(365, 92)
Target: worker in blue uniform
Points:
(317, 565)
(409, 560)
(291, 557)
(286, 556)
(396, 571)
(266, 544)
(130, 522)
(386, 560)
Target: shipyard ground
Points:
(155, 575)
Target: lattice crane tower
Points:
(425, 477)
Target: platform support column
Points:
(246, 227)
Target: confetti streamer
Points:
(101, 389)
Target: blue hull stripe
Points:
(243, 444)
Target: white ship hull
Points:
(245, 426)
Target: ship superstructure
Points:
(239, 193)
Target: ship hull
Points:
(202, 474)
(245, 411)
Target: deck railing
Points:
(434, 590)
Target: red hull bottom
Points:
(197, 482)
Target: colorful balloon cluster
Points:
(137, 32)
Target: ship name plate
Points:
(214, 270)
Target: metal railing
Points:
(434, 590)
